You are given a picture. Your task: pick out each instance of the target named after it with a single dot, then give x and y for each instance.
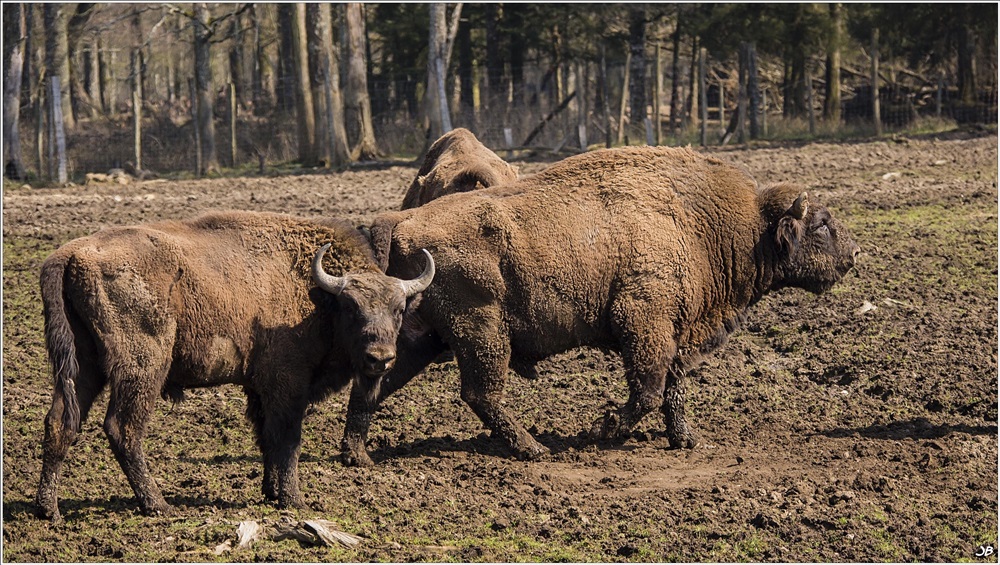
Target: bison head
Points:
(371, 311)
(814, 250)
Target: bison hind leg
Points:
(89, 382)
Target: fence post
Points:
(722, 105)
(763, 112)
(659, 94)
(40, 129)
(807, 78)
(136, 110)
(876, 111)
(56, 127)
(937, 99)
(621, 114)
(703, 96)
(231, 95)
(606, 105)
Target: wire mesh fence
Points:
(558, 108)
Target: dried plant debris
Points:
(316, 532)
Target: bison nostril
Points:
(379, 359)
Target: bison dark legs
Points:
(255, 413)
(413, 356)
(280, 439)
(58, 439)
(678, 433)
(129, 408)
(643, 331)
(483, 363)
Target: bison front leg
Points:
(281, 444)
(414, 354)
(255, 414)
(679, 434)
(484, 365)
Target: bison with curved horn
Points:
(228, 297)
(656, 253)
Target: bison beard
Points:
(224, 298)
(652, 252)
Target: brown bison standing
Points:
(224, 298)
(652, 252)
(457, 162)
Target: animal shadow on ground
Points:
(484, 444)
(917, 428)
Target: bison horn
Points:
(333, 285)
(420, 284)
(799, 207)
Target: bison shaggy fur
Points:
(228, 297)
(457, 162)
(655, 253)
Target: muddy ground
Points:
(831, 431)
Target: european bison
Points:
(655, 253)
(224, 298)
(457, 162)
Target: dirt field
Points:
(831, 431)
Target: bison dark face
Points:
(371, 307)
(815, 250)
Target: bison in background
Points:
(224, 298)
(655, 253)
(457, 162)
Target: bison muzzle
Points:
(228, 297)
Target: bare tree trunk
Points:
(831, 104)
(104, 76)
(494, 61)
(621, 112)
(340, 150)
(703, 95)
(92, 79)
(637, 84)
(14, 34)
(675, 78)
(876, 110)
(466, 99)
(318, 63)
(753, 90)
(285, 88)
(966, 63)
(236, 75)
(304, 109)
(57, 55)
(437, 101)
(203, 87)
(358, 104)
(263, 71)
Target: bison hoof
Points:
(605, 428)
(157, 509)
(296, 502)
(356, 459)
(532, 452)
(686, 441)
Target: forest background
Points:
(195, 89)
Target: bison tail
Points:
(59, 339)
